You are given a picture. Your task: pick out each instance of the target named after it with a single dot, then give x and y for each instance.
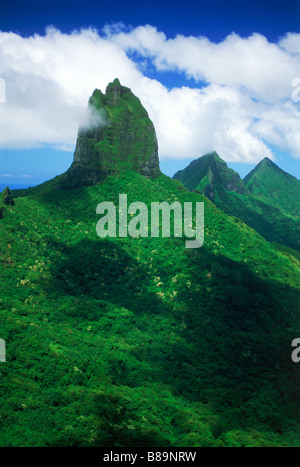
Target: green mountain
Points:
(140, 341)
(210, 175)
(205, 173)
(119, 136)
(273, 186)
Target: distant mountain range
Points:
(268, 199)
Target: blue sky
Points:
(246, 114)
(214, 19)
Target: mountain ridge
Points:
(269, 216)
(275, 187)
(216, 171)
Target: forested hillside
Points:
(140, 341)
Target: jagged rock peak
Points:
(120, 137)
(115, 91)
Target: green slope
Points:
(210, 169)
(210, 175)
(142, 342)
(267, 220)
(273, 186)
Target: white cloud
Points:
(16, 176)
(265, 69)
(291, 43)
(48, 82)
(245, 106)
(2, 90)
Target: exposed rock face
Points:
(120, 136)
(7, 197)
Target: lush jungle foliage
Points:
(268, 200)
(140, 341)
(275, 187)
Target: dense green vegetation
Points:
(119, 136)
(211, 170)
(140, 341)
(275, 187)
(268, 221)
(262, 202)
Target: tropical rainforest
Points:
(140, 341)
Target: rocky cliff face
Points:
(120, 136)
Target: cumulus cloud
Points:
(48, 82)
(265, 69)
(243, 109)
(2, 90)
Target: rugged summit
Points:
(119, 136)
(205, 173)
(267, 199)
(275, 187)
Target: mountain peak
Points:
(268, 162)
(264, 165)
(120, 136)
(274, 186)
(215, 155)
(205, 173)
(266, 159)
(116, 82)
(115, 91)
